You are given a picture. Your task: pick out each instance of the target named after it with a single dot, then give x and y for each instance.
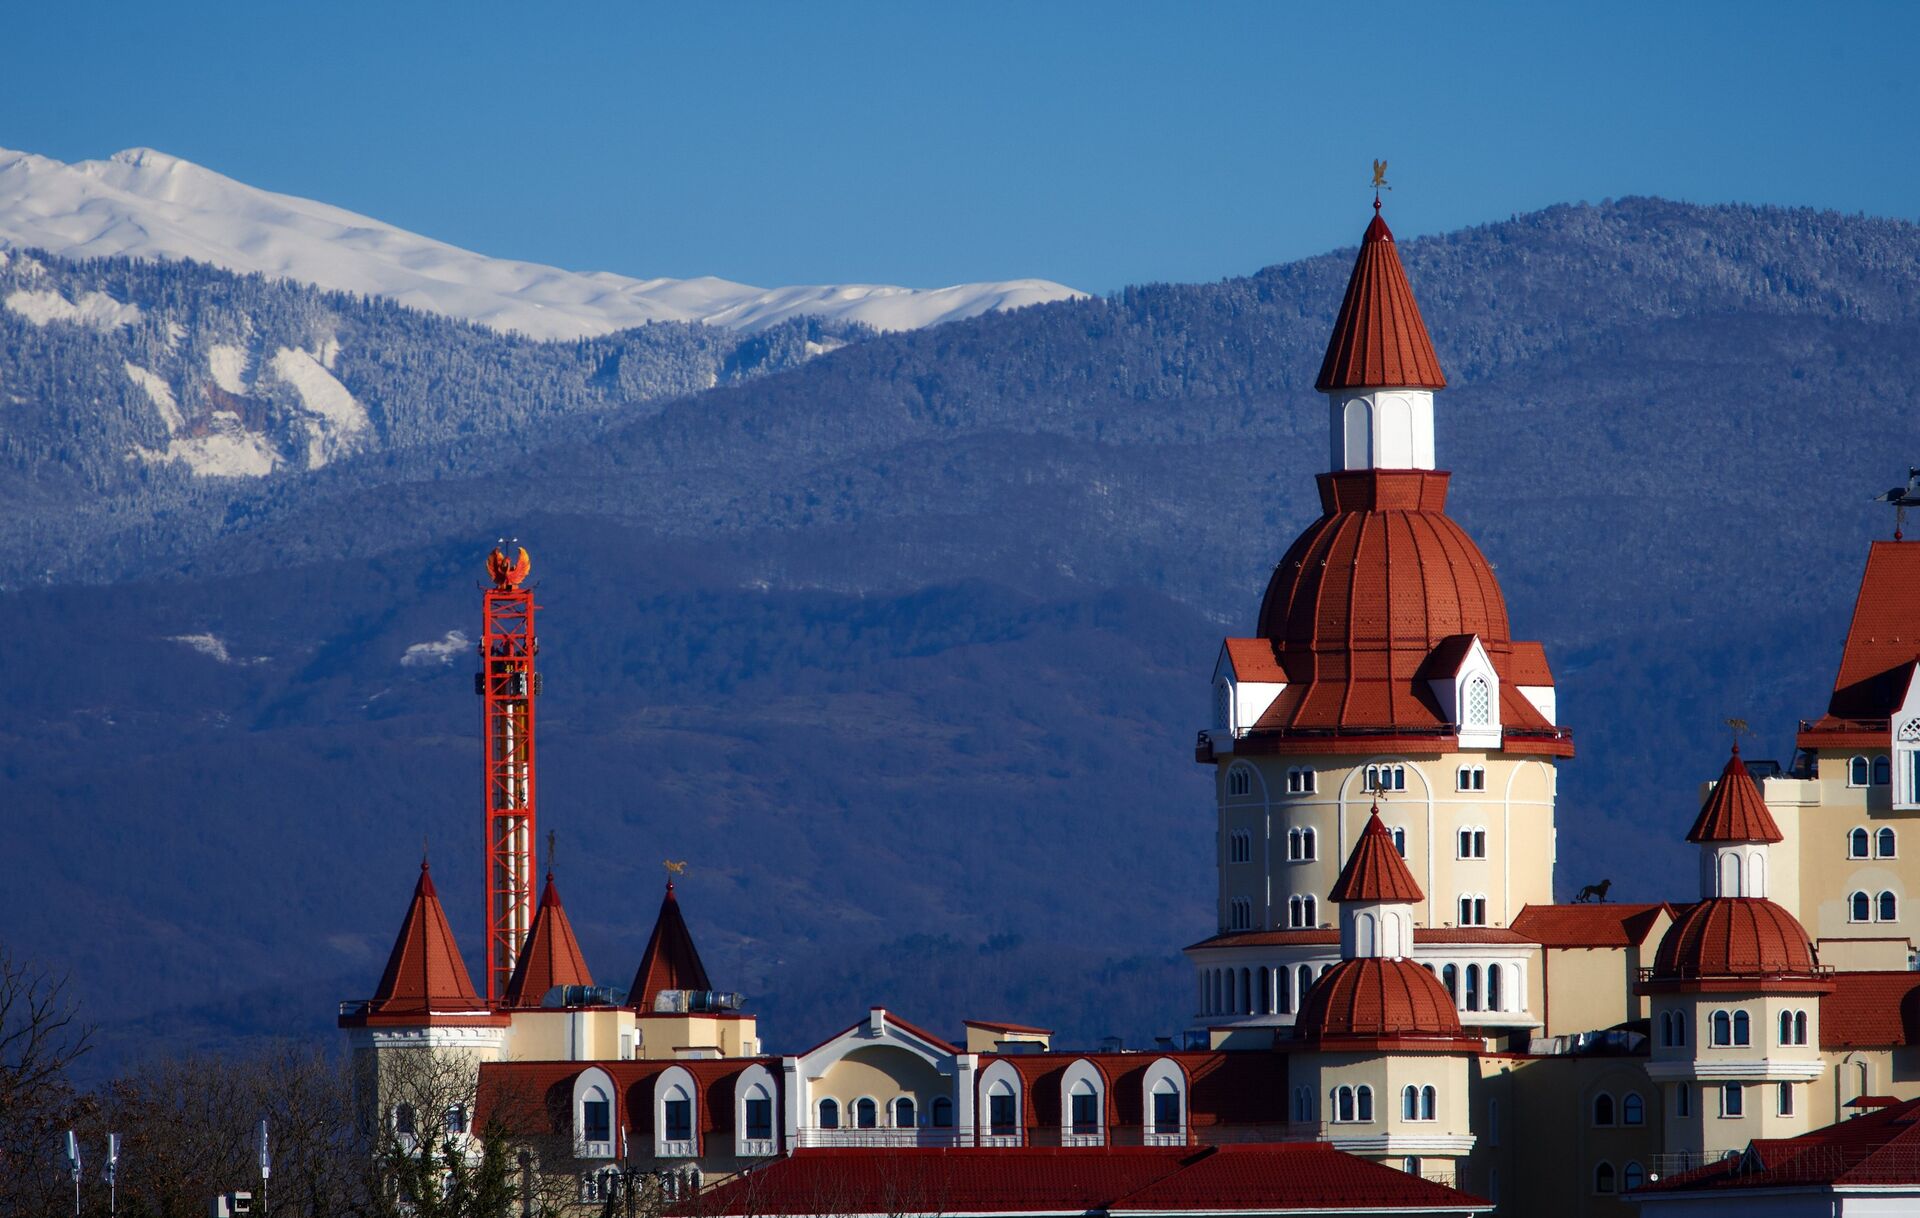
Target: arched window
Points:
(403, 1123)
(1305, 976)
(1786, 1027)
(1399, 836)
(1410, 1103)
(1859, 908)
(829, 1114)
(1603, 1178)
(1003, 1109)
(1450, 977)
(1857, 772)
(1411, 1165)
(1799, 1027)
(1633, 1109)
(1358, 426)
(1679, 1027)
(1309, 844)
(1882, 772)
(1473, 987)
(1343, 1104)
(1603, 1109)
(904, 1116)
(942, 1112)
(1479, 702)
(1311, 910)
(1883, 843)
(1889, 907)
(1223, 708)
(1266, 991)
(1293, 845)
(1742, 1034)
(1239, 778)
(753, 1112)
(1493, 988)
(1730, 874)
(1632, 1177)
(1722, 1028)
(1429, 1103)
(1083, 1110)
(1364, 937)
(1167, 1105)
(1365, 1102)
(1857, 844)
(1246, 991)
(866, 1113)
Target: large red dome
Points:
(1734, 937)
(1375, 999)
(1384, 569)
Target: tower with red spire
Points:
(508, 686)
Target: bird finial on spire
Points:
(1902, 498)
(1379, 182)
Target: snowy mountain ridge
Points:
(146, 204)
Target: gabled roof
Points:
(1252, 660)
(551, 955)
(1375, 871)
(1596, 925)
(671, 962)
(1379, 338)
(1880, 1150)
(1264, 1178)
(1871, 1011)
(938, 1044)
(424, 971)
(1884, 639)
(1734, 810)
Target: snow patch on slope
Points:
(146, 204)
(228, 367)
(96, 309)
(161, 394)
(440, 651)
(228, 450)
(335, 421)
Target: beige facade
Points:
(1837, 850)
(1409, 1110)
(1506, 801)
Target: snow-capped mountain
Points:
(146, 204)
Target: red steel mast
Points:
(508, 685)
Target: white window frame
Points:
(1859, 842)
(1472, 909)
(995, 1075)
(747, 1086)
(1083, 1073)
(1470, 778)
(1736, 1092)
(1864, 766)
(1886, 833)
(1302, 780)
(671, 1080)
(595, 1083)
(1164, 1070)
(1853, 905)
(1470, 843)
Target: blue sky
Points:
(923, 144)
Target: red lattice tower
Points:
(508, 686)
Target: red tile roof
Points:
(1734, 810)
(991, 1026)
(1728, 937)
(1254, 1179)
(534, 1097)
(1528, 665)
(1375, 871)
(1238, 1089)
(1879, 1150)
(1374, 999)
(1379, 338)
(1296, 1176)
(1254, 660)
(424, 971)
(1871, 1011)
(670, 962)
(1885, 635)
(1596, 925)
(551, 955)
(1361, 601)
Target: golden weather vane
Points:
(679, 868)
(1380, 176)
(1740, 728)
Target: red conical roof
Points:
(671, 961)
(1375, 871)
(425, 972)
(1379, 339)
(1734, 811)
(551, 955)
(1377, 999)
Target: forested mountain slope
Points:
(904, 647)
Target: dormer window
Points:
(1479, 702)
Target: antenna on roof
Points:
(1902, 498)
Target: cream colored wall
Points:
(666, 1036)
(882, 1073)
(1816, 815)
(1542, 1143)
(561, 1035)
(1388, 1075)
(1516, 810)
(1586, 989)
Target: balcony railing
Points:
(1692, 974)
